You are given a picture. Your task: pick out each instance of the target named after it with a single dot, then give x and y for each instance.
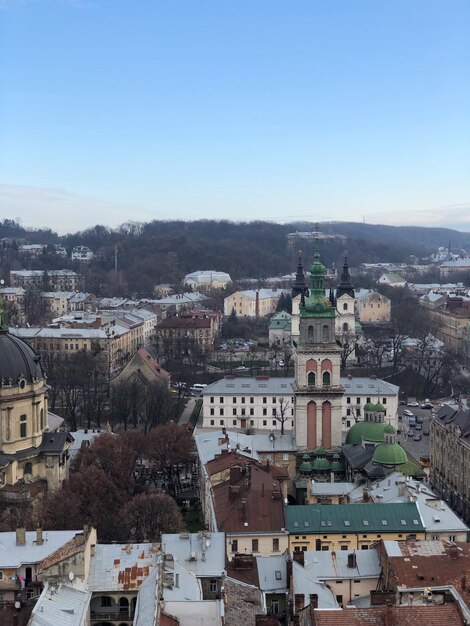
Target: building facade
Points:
(252, 302)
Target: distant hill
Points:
(164, 251)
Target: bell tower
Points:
(317, 385)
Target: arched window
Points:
(345, 327)
(310, 332)
(326, 379)
(311, 378)
(326, 333)
(28, 468)
(345, 306)
(123, 605)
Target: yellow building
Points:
(28, 452)
(252, 302)
(372, 306)
(350, 526)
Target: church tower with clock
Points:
(317, 385)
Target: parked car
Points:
(407, 413)
(281, 363)
(418, 427)
(242, 368)
(417, 437)
(427, 405)
(419, 419)
(410, 433)
(413, 403)
(426, 432)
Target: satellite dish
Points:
(17, 604)
(208, 543)
(71, 576)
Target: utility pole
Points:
(115, 264)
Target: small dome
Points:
(369, 406)
(379, 408)
(306, 457)
(321, 465)
(373, 432)
(305, 467)
(320, 452)
(390, 430)
(18, 362)
(389, 454)
(337, 467)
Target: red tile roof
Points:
(153, 365)
(251, 502)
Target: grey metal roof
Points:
(146, 606)
(331, 489)
(357, 385)
(13, 555)
(66, 606)
(208, 550)
(334, 565)
(306, 583)
(272, 573)
(111, 561)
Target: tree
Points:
(148, 515)
(284, 303)
(168, 446)
(34, 306)
(281, 412)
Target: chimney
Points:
(39, 538)
(235, 474)
(21, 536)
(352, 561)
(299, 557)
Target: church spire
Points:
(345, 285)
(300, 284)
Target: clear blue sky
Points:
(116, 110)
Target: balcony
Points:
(112, 616)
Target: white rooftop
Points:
(13, 556)
(67, 606)
(334, 565)
(306, 583)
(272, 573)
(331, 489)
(111, 566)
(202, 554)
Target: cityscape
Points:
(234, 313)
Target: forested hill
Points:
(163, 251)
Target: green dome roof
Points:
(305, 467)
(321, 465)
(306, 457)
(367, 431)
(389, 454)
(377, 408)
(390, 430)
(336, 466)
(320, 452)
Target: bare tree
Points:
(281, 412)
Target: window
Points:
(234, 400)
(234, 422)
(254, 545)
(106, 601)
(348, 400)
(311, 378)
(310, 332)
(326, 379)
(243, 412)
(212, 422)
(265, 423)
(252, 400)
(358, 401)
(274, 400)
(234, 545)
(265, 411)
(345, 327)
(265, 400)
(285, 456)
(221, 422)
(212, 411)
(384, 400)
(348, 411)
(326, 333)
(275, 544)
(252, 411)
(23, 430)
(274, 413)
(234, 411)
(243, 399)
(221, 411)
(451, 537)
(213, 585)
(368, 400)
(42, 419)
(28, 468)
(221, 400)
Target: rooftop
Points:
(121, 567)
(445, 615)
(65, 605)
(334, 565)
(13, 555)
(202, 554)
(341, 518)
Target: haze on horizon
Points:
(133, 111)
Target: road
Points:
(416, 448)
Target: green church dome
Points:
(389, 454)
(374, 432)
(305, 467)
(374, 408)
(306, 457)
(321, 465)
(379, 408)
(390, 430)
(369, 406)
(337, 467)
(320, 452)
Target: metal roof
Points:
(344, 518)
(334, 565)
(306, 583)
(272, 573)
(121, 567)
(146, 606)
(13, 555)
(65, 605)
(202, 554)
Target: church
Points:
(29, 453)
(318, 405)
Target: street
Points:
(416, 448)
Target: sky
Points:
(133, 110)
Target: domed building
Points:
(28, 451)
(371, 447)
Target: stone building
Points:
(450, 457)
(28, 451)
(56, 280)
(372, 307)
